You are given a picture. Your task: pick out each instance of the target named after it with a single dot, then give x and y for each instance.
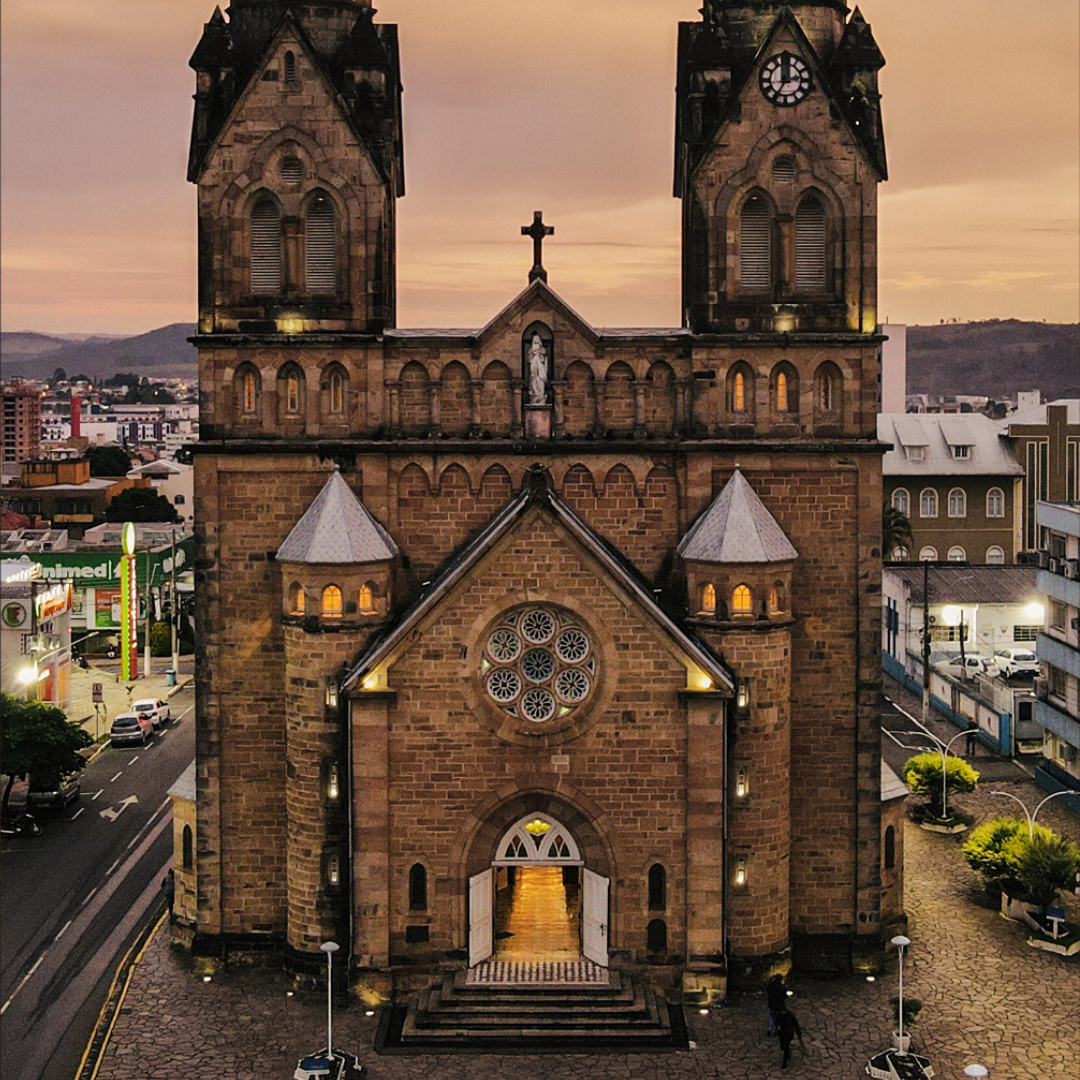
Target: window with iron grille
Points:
(1026, 633)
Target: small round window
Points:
(292, 170)
(538, 664)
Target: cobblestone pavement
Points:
(988, 997)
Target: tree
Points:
(141, 504)
(1044, 864)
(922, 773)
(36, 739)
(108, 460)
(987, 851)
(59, 376)
(895, 532)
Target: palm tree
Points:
(895, 531)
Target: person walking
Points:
(776, 996)
(168, 887)
(787, 1027)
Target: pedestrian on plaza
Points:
(168, 887)
(971, 740)
(787, 1027)
(776, 996)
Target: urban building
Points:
(954, 477)
(20, 423)
(1058, 707)
(174, 482)
(485, 604)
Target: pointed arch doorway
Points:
(538, 901)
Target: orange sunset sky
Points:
(517, 105)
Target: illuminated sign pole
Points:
(129, 607)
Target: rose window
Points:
(538, 664)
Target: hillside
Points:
(996, 358)
(161, 353)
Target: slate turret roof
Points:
(737, 528)
(337, 528)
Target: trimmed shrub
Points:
(922, 774)
(1044, 865)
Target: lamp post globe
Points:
(976, 1071)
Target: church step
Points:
(437, 999)
(586, 989)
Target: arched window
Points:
(708, 599)
(957, 503)
(928, 554)
(890, 848)
(781, 392)
(367, 599)
(995, 503)
(738, 393)
(188, 854)
(826, 391)
(957, 554)
(337, 392)
(418, 887)
(755, 245)
(249, 391)
(901, 501)
(292, 392)
(656, 936)
(928, 503)
(810, 245)
(900, 554)
(777, 598)
(296, 599)
(657, 888)
(995, 556)
(265, 247)
(320, 255)
(742, 601)
(331, 602)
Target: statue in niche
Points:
(538, 372)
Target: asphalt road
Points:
(72, 898)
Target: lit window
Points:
(995, 503)
(742, 602)
(928, 554)
(776, 599)
(292, 392)
(901, 501)
(331, 602)
(957, 503)
(739, 394)
(367, 599)
(708, 599)
(249, 391)
(928, 503)
(782, 392)
(995, 556)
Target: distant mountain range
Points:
(995, 358)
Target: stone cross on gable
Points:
(537, 230)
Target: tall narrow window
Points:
(188, 849)
(995, 503)
(810, 245)
(742, 602)
(292, 392)
(249, 391)
(928, 503)
(367, 599)
(738, 396)
(957, 503)
(337, 392)
(781, 392)
(296, 599)
(901, 501)
(890, 848)
(418, 887)
(657, 887)
(331, 602)
(825, 392)
(290, 67)
(708, 599)
(319, 246)
(755, 245)
(265, 247)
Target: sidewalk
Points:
(988, 998)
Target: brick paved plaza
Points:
(988, 997)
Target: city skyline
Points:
(570, 112)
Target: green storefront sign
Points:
(102, 569)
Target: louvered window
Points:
(292, 170)
(755, 245)
(319, 247)
(265, 247)
(783, 170)
(290, 67)
(810, 246)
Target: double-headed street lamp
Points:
(1031, 815)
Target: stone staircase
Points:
(455, 1015)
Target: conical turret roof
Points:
(337, 528)
(737, 528)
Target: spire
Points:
(737, 528)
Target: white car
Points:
(1017, 662)
(972, 665)
(156, 709)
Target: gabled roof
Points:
(1038, 414)
(337, 529)
(989, 453)
(539, 291)
(737, 528)
(536, 494)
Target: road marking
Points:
(77, 812)
(132, 761)
(112, 814)
(108, 873)
(25, 980)
(62, 930)
(118, 775)
(93, 797)
(89, 895)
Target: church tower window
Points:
(657, 887)
(418, 900)
(742, 601)
(265, 247)
(292, 170)
(331, 602)
(810, 245)
(296, 599)
(708, 599)
(755, 245)
(320, 255)
(337, 392)
(784, 169)
(367, 599)
(290, 67)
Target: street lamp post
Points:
(1031, 815)
(901, 944)
(329, 947)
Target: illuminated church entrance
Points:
(538, 902)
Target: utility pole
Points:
(175, 613)
(925, 642)
(149, 613)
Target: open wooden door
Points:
(481, 917)
(594, 917)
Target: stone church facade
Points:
(539, 593)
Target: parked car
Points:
(1017, 662)
(130, 728)
(54, 793)
(971, 665)
(156, 709)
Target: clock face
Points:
(785, 79)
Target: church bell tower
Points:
(778, 154)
